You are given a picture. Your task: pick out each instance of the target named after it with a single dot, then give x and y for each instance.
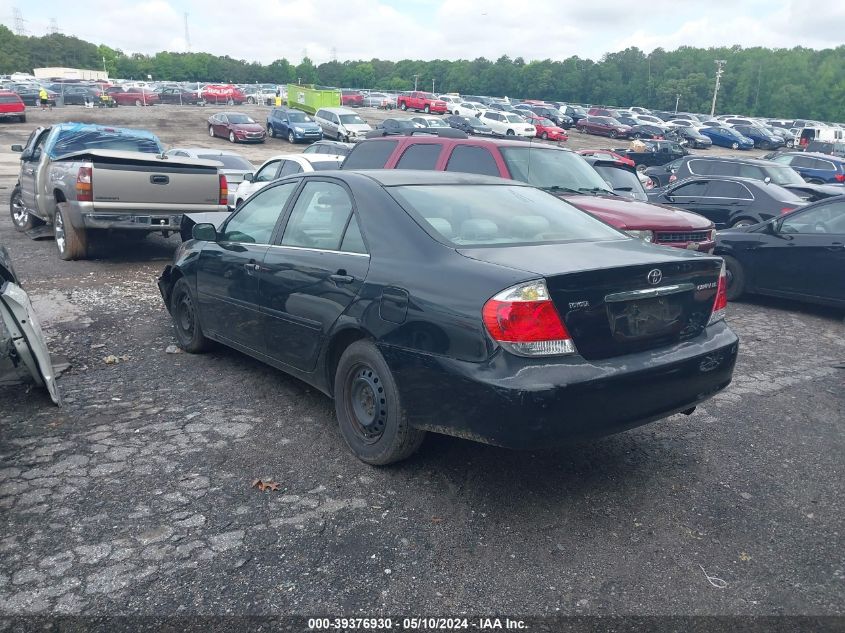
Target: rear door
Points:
(312, 273)
(724, 202)
(229, 269)
(689, 195)
(807, 256)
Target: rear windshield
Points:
(784, 175)
(623, 181)
(76, 141)
(351, 119)
(9, 99)
(229, 161)
(491, 215)
(552, 169)
(324, 165)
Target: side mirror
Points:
(249, 177)
(204, 231)
(670, 198)
(767, 180)
(17, 148)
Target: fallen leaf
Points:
(744, 557)
(437, 520)
(271, 486)
(265, 485)
(111, 360)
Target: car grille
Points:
(691, 236)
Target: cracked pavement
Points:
(135, 497)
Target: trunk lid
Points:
(622, 297)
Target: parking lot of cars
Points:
(136, 494)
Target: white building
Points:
(70, 73)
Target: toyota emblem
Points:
(654, 276)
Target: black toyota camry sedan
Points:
(455, 303)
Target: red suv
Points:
(559, 171)
(11, 106)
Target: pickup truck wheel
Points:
(70, 242)
(21, 218)
(368, 408)
(231, 137)
(404, 106)
(186, 321)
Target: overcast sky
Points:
(427, 29)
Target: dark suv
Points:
(765, 170)
(294, 125)
(559, 171)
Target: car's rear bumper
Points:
(533, 403)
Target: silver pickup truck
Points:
(83, 179)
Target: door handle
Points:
(340, 278)
(252, 267)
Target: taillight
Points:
(720, 304)
(84, 188)
(673, 178)
(524, 321)
(840, 177)
(786, 210)
(224, 190)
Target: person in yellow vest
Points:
(44, 97)
(278, 98)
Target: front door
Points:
(807, 255)
(229, 270)
(312, 273)
(30, 161)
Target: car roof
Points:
(338, 110)
(205, 150)
(742, 179)
(734, 159)
(479, 142)
(818, 155)
(399, 177)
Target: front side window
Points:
(255, 220)
(319, 217)
(824, 219)
(552, 169)
(728, 189)
(690, 189)
(268, 172)
(372, 154)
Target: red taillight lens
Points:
(524, 321)
(224, 190)
(673, 178)
(84, 185)
(840, 177)
(786, 210)
(720, 304)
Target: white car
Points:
(466, 108)
(451, 102)
(507, 124)
(281, 166)
(430, 121)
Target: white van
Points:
(825, 134)
(342, 124)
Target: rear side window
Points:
(420, 156)
(370, 155)
(472, 160)
(728, 189)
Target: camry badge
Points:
(654, 276)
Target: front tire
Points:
(250, 101)
(211, 131)
(71, 243)
(613, 134)
(742, 223)
(369, 411)
(21, 218)
(545, 136)
(183, 309)
(736, 278)
(404, 106)
(138, 102)
(291, 137)
(231, 137)
(271, 132)
(734, 145)
(510, 133)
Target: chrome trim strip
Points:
(319, 250)
(647, 293)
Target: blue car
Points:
(763, 139)
(294, 125)
(727, 137)
(813, 167)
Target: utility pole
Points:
(432, 85)
(719, 70)
(415, 82)
(677, 101)
(104, 65)
(187, 35)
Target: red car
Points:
(351, 98)
(546, 129)
(223, 93)
(607, 154)
(424, 101)
(133, 96)
(604, 126)
(559, 171)
(12, 106)
(237, 127)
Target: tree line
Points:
(789, 83)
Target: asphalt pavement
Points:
(136, 496)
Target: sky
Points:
(431, 29)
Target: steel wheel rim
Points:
(185, 315)
(232, 137)
(19, 213)
(366, 403)
(59, 232)
(291, 138)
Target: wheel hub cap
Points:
(19, 213)
(368, 404)
(60, 233)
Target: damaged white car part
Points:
(23, 351)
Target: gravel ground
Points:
(135, 497)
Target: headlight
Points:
(298, 129)
(711, 235)
(645, 236)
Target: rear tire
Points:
(404, 106)
(22, 118)
(186, 324)
(138, 102)
(368, 408)
(71, 242)
(736, 278)
(427, 109)
(21, 218)
(742, 223)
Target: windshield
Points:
(229, 161)
(474, 121)
(550, 168)
(784, 176)
(514, 118)
(623, 181)
(497, 215)
(351, 119)
(435, 123)
(299, 117)
(239, 119)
